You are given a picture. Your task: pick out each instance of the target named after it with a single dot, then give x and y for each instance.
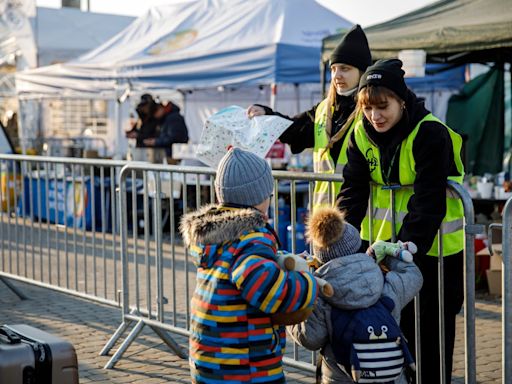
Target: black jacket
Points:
(301, 134)
(147, 130)
(433, 154)
(172, 129)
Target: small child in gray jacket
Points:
(358, 282)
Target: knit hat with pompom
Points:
(331, 235)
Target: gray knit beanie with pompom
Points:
(331, 235)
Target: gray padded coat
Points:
(358, 282)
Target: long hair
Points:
(331, 100)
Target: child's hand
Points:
(310, 259)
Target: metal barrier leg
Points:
(117, 334)
(417, 306)
(170, 342)
(470, 230)
(441, 319)
(15, 290)
(506, 295)
(126, 343)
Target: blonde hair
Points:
(331, 99)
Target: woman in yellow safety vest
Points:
(398, 142)
(325, 126)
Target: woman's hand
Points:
(255, 110)
(149, 142)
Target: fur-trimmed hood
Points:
(214, 224)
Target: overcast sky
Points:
(364, 12)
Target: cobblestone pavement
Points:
(88, 325)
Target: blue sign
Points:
(66, 201)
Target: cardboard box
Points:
(497, 250)
(494, 281)
(496, 262)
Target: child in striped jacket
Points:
(233, 338)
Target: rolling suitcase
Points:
(31, 356)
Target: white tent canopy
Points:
(214, 52)
(197, 44)
(62, 34)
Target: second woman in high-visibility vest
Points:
(399, 145)
(325, 127)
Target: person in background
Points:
(12, 127)
(399, 143)
(171, 128)
(145, 127)
(326, 126)
(233, 337)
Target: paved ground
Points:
(89, 325)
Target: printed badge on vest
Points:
(369, 343)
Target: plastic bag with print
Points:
(231, 127)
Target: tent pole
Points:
(117, 122)
(510, 97)
(297, 97)
(323, 72)
(21, 127)
(273, 95)
(121, 96)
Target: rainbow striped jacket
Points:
(239, 285)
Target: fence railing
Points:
(89, 228)
(59, 224)
(506, 289)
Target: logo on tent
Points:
(173, 42)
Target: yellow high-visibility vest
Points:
(453, 222)
(325, 192)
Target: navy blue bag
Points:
(369, 343)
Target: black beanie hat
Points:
(386, 73)
(353, 50)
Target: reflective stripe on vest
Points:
(453, 222)
(325, 192)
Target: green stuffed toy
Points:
(401, 250)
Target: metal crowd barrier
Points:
(142, 308)
(157, 272)
(506, 289)
(59, 226)
(92, 229)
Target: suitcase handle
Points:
(9, 336)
